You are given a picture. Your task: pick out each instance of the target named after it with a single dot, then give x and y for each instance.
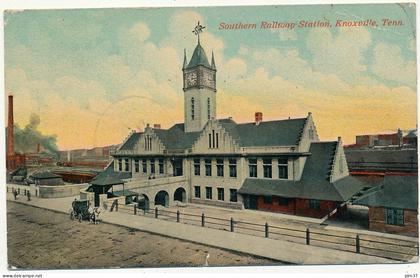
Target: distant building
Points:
(383, 153)
(393, 205)
(46, 178)
(407, 139)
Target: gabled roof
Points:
(314, 183)
(198, 58)
(395, 192)
(269, 133)
(44, 175)
(131, 141)
(175, 138)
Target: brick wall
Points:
(275, 206)
(377, 222)
(297, 207)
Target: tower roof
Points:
(198, 58)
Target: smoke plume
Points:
(26, 140)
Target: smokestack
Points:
(156, 126)
(258, 117)
(10, 147)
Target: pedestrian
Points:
(28, 194)
(15, 194)
(207, 259)
(91, 215)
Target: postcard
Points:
(211, 136)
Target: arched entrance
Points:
(180, 195)
(162, 198)
(143, 202)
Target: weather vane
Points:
(197, 30)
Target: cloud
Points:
(97, 96)
(287, 35)
(342, 54)
(390, 65)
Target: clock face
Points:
(208, 79)
(191, 79)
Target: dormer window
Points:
(147, 143)
(213, 140)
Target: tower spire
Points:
(185, 59)
(213, 64)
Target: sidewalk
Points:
(264, 247)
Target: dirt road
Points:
(43, 239)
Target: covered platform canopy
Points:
(102, 183)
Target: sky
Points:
(93, 75)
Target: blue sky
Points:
(93, 74)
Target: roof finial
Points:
(197, 30)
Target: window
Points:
(136, 165)
(314, 204)
(283, 169)
(192, 108)
(197, 166)
(127, 165)
(209, 192)
(161, 169)
(311, 133)
(209, 140)
(213, 140)
(208, 108)
(267, 168)
(147, 143)
(144, 165)
(232, 168)
(268, 200)
(197, 191)
(394, 216)
(341, 165)
(283, 201)
(152, 166)
(207, 163)
(252, 167)
(233, 195)
(120, 165)
(220, 194)
(220, 165)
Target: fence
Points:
(385, 247)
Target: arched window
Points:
(208, 108)
(192, 108)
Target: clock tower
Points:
(199, 87)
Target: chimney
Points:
(156, 126)
(258, 117)
(10, 147)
